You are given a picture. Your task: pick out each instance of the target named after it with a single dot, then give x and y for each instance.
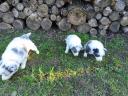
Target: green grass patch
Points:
(54, 73)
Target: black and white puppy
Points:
(15, 55)
(95, 48)
(73, 42)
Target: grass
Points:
(54, 73)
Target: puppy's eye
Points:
(96, 50)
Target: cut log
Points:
(64, 25)
(33, 21)
(53, 17)
(8, 17)
(58, 18)
(14, 2)
(77, 16)
(42, 10)
(5, 26)
(68, 1)
(60, 3)
(49, 2)
(22, 15)
(40, 2)
(27, 11)
(64, 12)
(55, 10)
(18, 24)
(15, 12)
(46, 24)
(1, 14)
(20, 6)
(4, 7)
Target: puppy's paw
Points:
(5, 77)
(99, 59)
(37, 52)
(66, 52)
(85, 54)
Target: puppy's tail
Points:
(26, 36)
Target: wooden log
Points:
(14, 2)
(21, 15)
(15, 12)
(20, 6)
(55, 10)
(1, 14)
(4, 7)
(60, 3)
(18, 24)
(5, 26)
(27, 11)
(46, 24)
(77, 16)
(42, 10)
(64, 25)
(58, 18)
(8, 17)
(33, 21)
(68, 1)
(49, 2)
(53, 17)
(40, 2)
(64, 12)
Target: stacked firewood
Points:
(44, 14)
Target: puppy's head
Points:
(75, 50)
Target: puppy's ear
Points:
(73, 49)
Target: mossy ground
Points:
(54, 73)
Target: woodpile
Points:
(35, 14)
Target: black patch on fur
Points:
(10, 69)
(73, 49)
(87, 50)
(95, 52)
(20, 52)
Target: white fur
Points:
(93, 44)
(13, 60)
(73, 41)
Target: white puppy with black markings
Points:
(95, 48)
(73, 43)
(15, 55)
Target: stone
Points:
(98, 16)
(93, 32)
(114, 27)
(93, 22)
(84, 28)
(107, 11)
(120, 5)
(105, 21)
(114, 16)
(124, 21)
(5, 26)
(64, 25)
